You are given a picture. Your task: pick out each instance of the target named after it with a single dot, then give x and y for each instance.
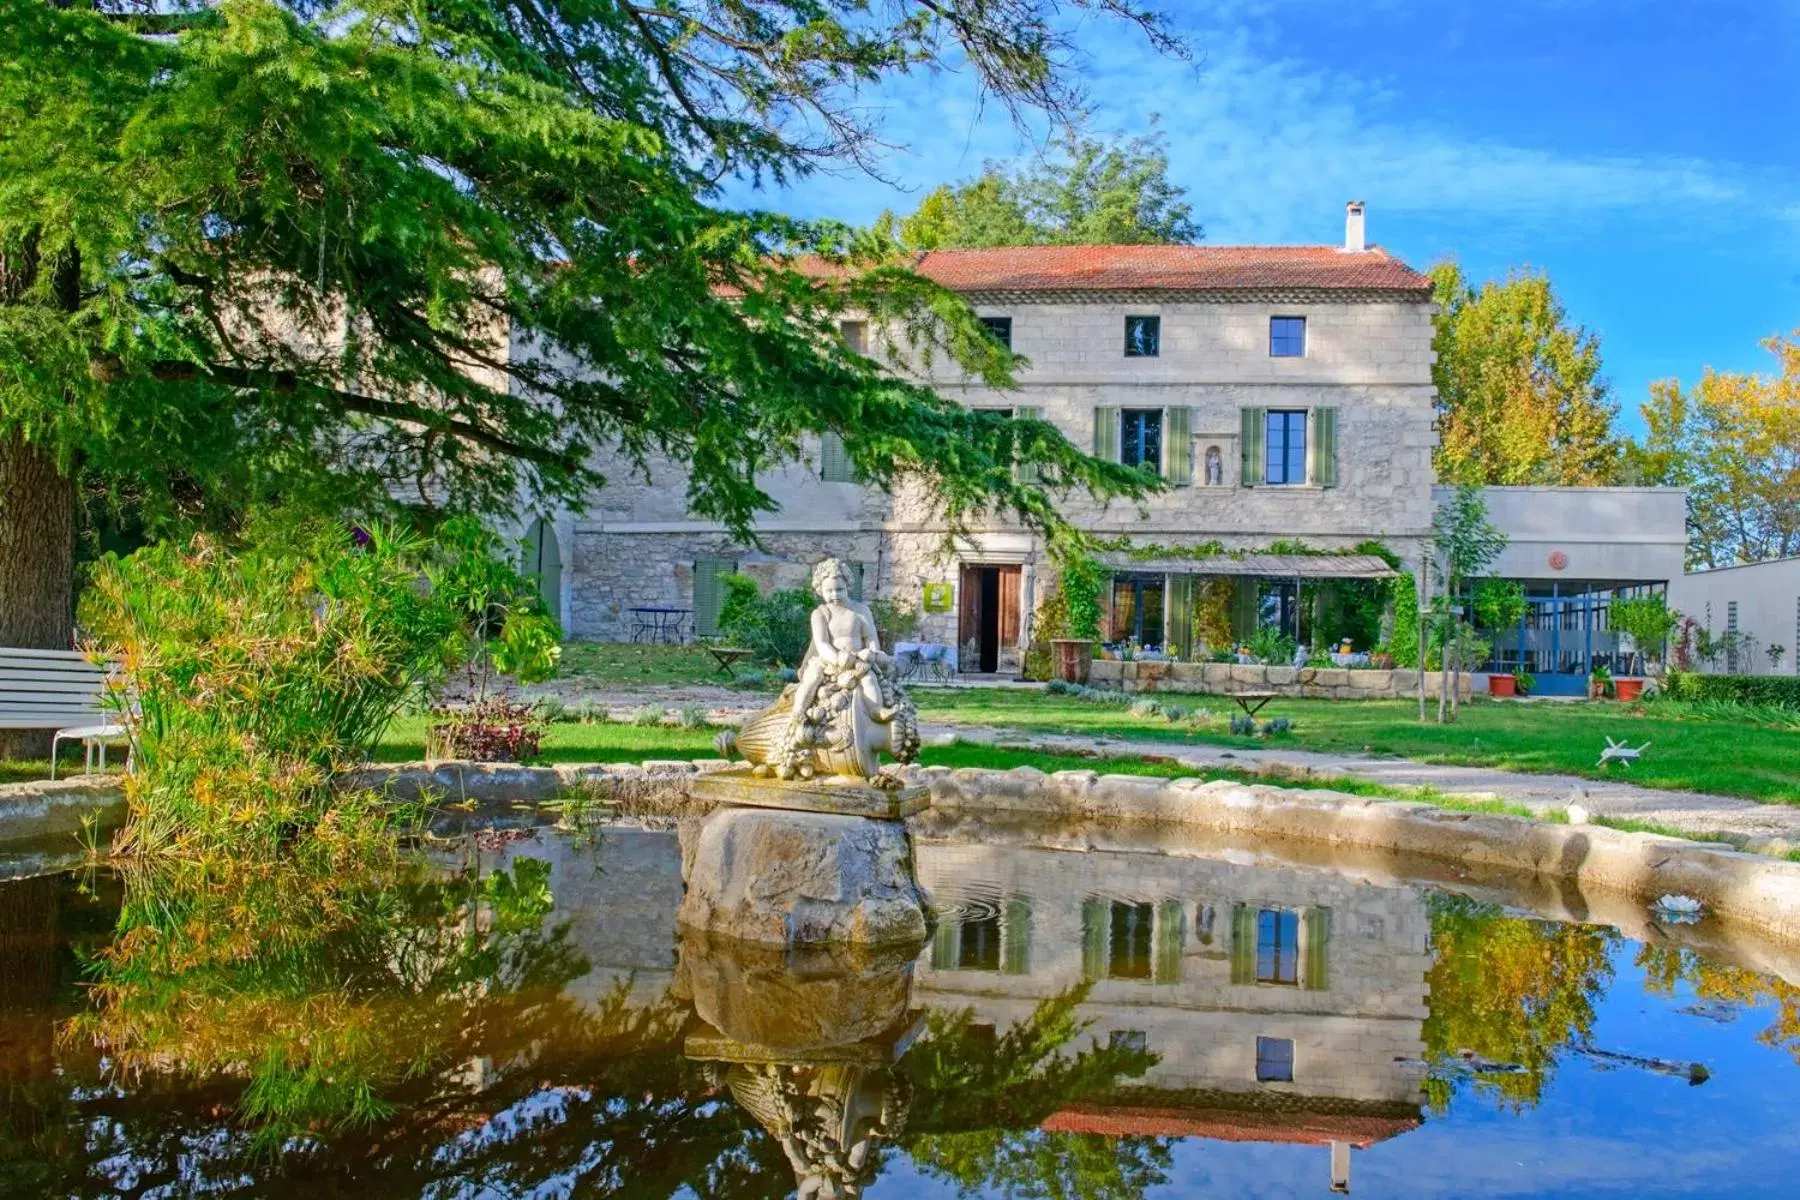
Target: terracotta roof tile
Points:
(1173, 268)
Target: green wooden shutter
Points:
(1106, 433)
(1180, 625)
(834, 462)
(1321, 458)
(1171, 931)
(859, 580)
(945, 944)
(1026, 472)
(1245, 614)
(1096, 934)
(1251, 443)
(1178, 446)
(1015, 938)
(1243, 944)
(709, 593)
(1316, 976)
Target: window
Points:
(980, 948)
(1277, 946)
(1143, 337)
(1286, 448)
(1000, 329)
(1133, 929)
(1137, 609)
(834, 460)
(1274, 1060)
(1731, 625)
(855, 335)
(1287, 337)
(1140, 438)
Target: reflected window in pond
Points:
(1283, 947)
(1274, 1060)
(1134, 1040)
(1132, 940)
(1277, 946)
(985, 940)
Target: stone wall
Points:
(1330, 683)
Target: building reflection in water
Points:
(1284, 1005)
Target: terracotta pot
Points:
(1073, 656)
(1628, 689)
(1502, 685)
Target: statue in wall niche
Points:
(1215, 467)
(847, 707)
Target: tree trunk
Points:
(1418, 602)
(1444, 668)
(37, 565)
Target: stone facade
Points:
(1368, 357)
(1354, 1022)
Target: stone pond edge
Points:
(1755, 890)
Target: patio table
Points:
(658, 624)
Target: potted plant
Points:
(1503, 685)
(1600, 682)
(1523, 682)
(1648, 621)
(1081, 585)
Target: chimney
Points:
(1353, 227)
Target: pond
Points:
(1099, 1014)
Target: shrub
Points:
(1278, 725)
(592, 712)
(1738, 689)
(1648, 619)
(894, 621)
(647, 715)
(553, 709)
(1083, 581)
(1051, 622)
(777, 627)
(692, 716)
(257, 669)
(1243, 726)
(1145, 708)
(493, 729)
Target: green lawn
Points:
(1728, 758)
(569, 742)
(635, 664)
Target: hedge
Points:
(1740, 689)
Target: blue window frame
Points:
(1277, 946)
(1286, 445)
(1274, 1060)
(1140, 438)
(1143, 337)
(1287, 337)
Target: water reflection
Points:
(530, 1021)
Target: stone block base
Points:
(783, 878)
(739, 786)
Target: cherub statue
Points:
(847, 707)
(844, 644)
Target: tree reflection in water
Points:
(1512, 990)
(410, 1032)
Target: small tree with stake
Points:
(1464, 543)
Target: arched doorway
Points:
(543, 562)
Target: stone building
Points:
(1283, 392)
(1283, 1004)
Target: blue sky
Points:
(1647, 155)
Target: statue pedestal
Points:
(785, 878)
(843, 796)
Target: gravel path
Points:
(1771, 828)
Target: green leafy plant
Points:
(1271, 646)
(255, 670)
(894, 621)
(1083, 583)
(1524, 681)
(776, 626)
(1775, 650)
(1500, 604)
(1739, 689)
(1648, 619)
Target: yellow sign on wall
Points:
(938, 597)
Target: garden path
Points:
(1772, 828)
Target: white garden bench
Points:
(62, 691)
